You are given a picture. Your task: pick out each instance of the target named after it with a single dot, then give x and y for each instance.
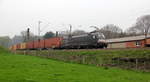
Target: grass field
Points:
(21, 68)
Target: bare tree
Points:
(16, 39)
(141, 27)
(143, 24)
(111, 31)
(131, 31)
(5, 41)
(24, 36)
(112, 28)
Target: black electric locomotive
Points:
(88, 40)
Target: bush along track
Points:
(138, 59)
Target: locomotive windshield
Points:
(98, 35)
(101, 36)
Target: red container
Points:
(13, 47)
(39, 44)
(53, 42)
(18, 46)
(42, 44)
(36, 44)
(30, 45)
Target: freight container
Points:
(42, 44)
(53, 42)
(14, 47)
(23, 46)
(18, 46)
(30, 45)
(36, 44)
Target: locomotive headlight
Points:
(94, 37)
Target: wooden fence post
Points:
(144, 65)
(136, 63)
(118, 61)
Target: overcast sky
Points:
(18, 15)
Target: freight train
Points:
(84, 41)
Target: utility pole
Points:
(28, 34)
(56, 33)
(39, 30)
(28, 38)
(70, 30)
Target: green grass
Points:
(21, 68)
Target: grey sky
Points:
(17, 15)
